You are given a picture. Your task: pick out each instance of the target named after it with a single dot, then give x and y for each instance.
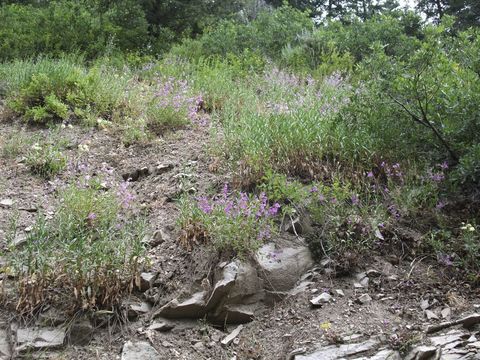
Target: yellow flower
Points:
(326, 325)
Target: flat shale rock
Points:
(334, 352)
(32, 339)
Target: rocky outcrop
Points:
(240, 288)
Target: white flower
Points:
(83, 148)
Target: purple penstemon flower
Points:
(437, 177)
(355, 200)
(264, 233)
(263, 205)
(205, 205)
(228, 208)
(440, 205)
(274, 209)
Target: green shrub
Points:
(52, 90)
(260, 36)
(424, 103)
(60, 27)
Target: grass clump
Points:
(281, 121)
(15, 145)
(86, 257)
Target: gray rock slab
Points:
(336, 352)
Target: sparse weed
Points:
(15, 145)
(46, 159)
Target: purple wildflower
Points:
(355, 200)
(274, 209)
(264, 234)
(228, 208)
(126, 197)
(370, 174)
(444, 165)
(263, 205)
(440, 205)
(394, 211)
(445, 259)
(91, 216)
(437, 177)
(314, 189)
(204, 205)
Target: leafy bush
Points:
(259, 36)
(60, 27)
(86, 257)
(423, 104)
(48, 90)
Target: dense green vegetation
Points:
(360, 114)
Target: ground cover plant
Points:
(86, 257)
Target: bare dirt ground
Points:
(397, 287)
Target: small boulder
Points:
(137, 309)
(139, 351)
(6, 203)
(364, 299)
(322, 299)
(431, 315)
(81, 333)
(230, 337)
(162, 169)
(446, 313)
(281, 268)
(470, 320)
(146, 280)
(161, 326)
(423, 353)
(158, 238)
